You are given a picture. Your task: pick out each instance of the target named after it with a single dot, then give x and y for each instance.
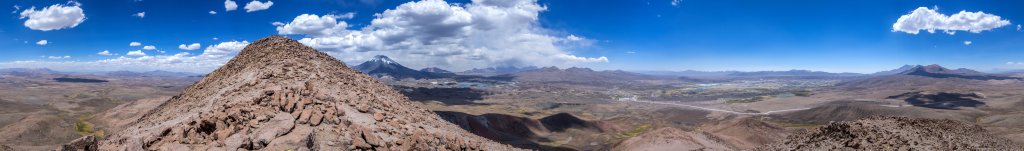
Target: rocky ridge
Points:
(277, 94)
(895, 133)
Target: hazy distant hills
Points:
(575, 74)
(122, 73)
(936, 71)
(899, 70)
(689, 73)
(925, 76)
(28, 71)
(492, 71)
(793, 73)
(381, 65)
(692, 74)
(156, 73)
(435, 70)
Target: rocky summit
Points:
(278, 94)
(896, 133)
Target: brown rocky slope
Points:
(277, 94)
(895, 133)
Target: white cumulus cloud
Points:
(434, 33)
(135, 44)
(257, 6)
(573, 38)
(968, 42)
(674, 2)
(924, 18)
(348, 15)
(192, 46)
(149, 47)
(230, 5)
(140, 15)
(582, 59)
(42, 42)
(136, 53)
(54, 17)
(58, 57)
(213, 12)
(105, 53)
(224, 50)
(313, 25)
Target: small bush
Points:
(634, 132)
(83, 127)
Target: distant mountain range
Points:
(689, 73)
(748, 74)
(435, 70)
(894, 71)
(28, 71)
(381, 65)
(793, 73)
(491, 71)
(155, 73)
(936, 71)
(576, 74)
(922, 76)
(45, 71)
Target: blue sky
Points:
(835, 36)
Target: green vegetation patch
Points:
(748, 100)
(83, 127)
(634, 132)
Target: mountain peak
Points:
(381, 65)
(936, 71)
(933, 68)
(278, 94)
(579, 69)
(274, 46)
(383, 59)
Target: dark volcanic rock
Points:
(6, 148)
(519, 131)
(563, 121)
(87, 143)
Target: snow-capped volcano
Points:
(383, 59)
(381, 65)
